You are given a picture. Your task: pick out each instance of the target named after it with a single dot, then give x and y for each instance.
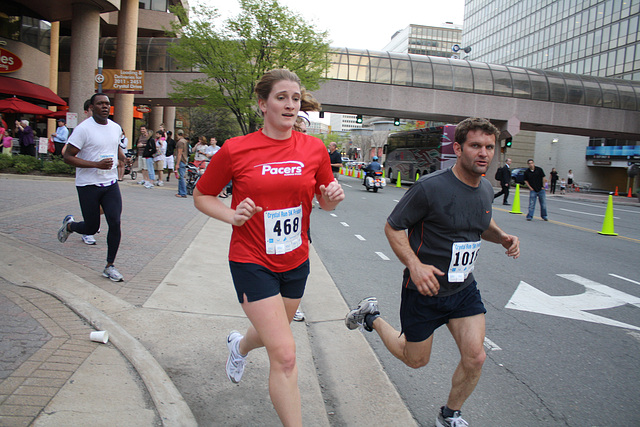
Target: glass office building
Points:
(591, 37)
(595, 38)
(425, 40)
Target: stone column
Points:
(170, 119)
(156, 117)
(53, 70)
(126, 60)
(85, 36)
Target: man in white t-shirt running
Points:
(94, 150)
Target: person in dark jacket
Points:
(25, 135)
(505, 181)
(534, 179)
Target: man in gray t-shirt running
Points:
(436, 230)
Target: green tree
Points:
(265, 35)
(218, 123)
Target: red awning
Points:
(32, 91)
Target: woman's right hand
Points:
(244, 211)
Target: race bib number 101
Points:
(283, 230)
(463, 255)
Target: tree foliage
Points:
(233, 56)
(218, 123)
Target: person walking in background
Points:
(335, 158)
(534, 180)
(124, 142)
(570, 182)
(26, 138)
(425, 232)
(159, 156)
(143, 166)
(200, 159)
(169, 161)
(275, 173)
(94, 150)
(504, 175)
(182, 159)
(60, 137)
(554, 180)
(149, 152)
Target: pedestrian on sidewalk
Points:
(534, 179)
(94, 149)
(275, 173)
(426, 232)
(504, 175)
(182, 159)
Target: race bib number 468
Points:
(283, 230)
(463, 255)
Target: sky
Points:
(359, 24)
(362, 24)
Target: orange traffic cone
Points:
(629, 195)
(616, 193)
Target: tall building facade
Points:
(426, 40)
(586, 37)
(343, 122)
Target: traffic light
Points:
(359, 119)
(508, 142)
(396, 122)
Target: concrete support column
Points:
(126, 60)
(170, 119)
(85, 36)
(155, 117)
(53, 70)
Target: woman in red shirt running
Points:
(276, 172)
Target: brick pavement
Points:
(43, 342)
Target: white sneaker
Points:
(112, 274)
(160, 184)
(143, 182)
(148, 185)
(454, 421)
(88, 239)
(356, 317)
(235, 361)
(63, 232)
(299, 316)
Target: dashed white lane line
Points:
(584, 213)
(383, 256)
(333, 215)
(359, 237)
(491, 345)
(344, 224)
(624, 278)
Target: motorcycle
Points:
(373, 180)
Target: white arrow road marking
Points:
(360, 237)
(383, 256)
(595, 297)
(333, 215)
(344, 224)
(624, 278)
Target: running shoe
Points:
(112, 273)
(299, 316)
(454, 421)
(63, 232)
(355, 318)
(160, 184)
(148, 185)
(235, 361)
(88, 239)
(142, 182)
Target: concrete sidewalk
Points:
(165, 361)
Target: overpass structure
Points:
(421, 87)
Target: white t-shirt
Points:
(161, 145)
(96, 142)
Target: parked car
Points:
(517, 176)
(345, 159)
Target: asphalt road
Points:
(563, 322)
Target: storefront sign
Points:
(9, 62)
(122, 81)
(143, 109)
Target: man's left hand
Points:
(512, 245)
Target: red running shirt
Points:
(282, 177)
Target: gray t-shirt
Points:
(445, 218)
